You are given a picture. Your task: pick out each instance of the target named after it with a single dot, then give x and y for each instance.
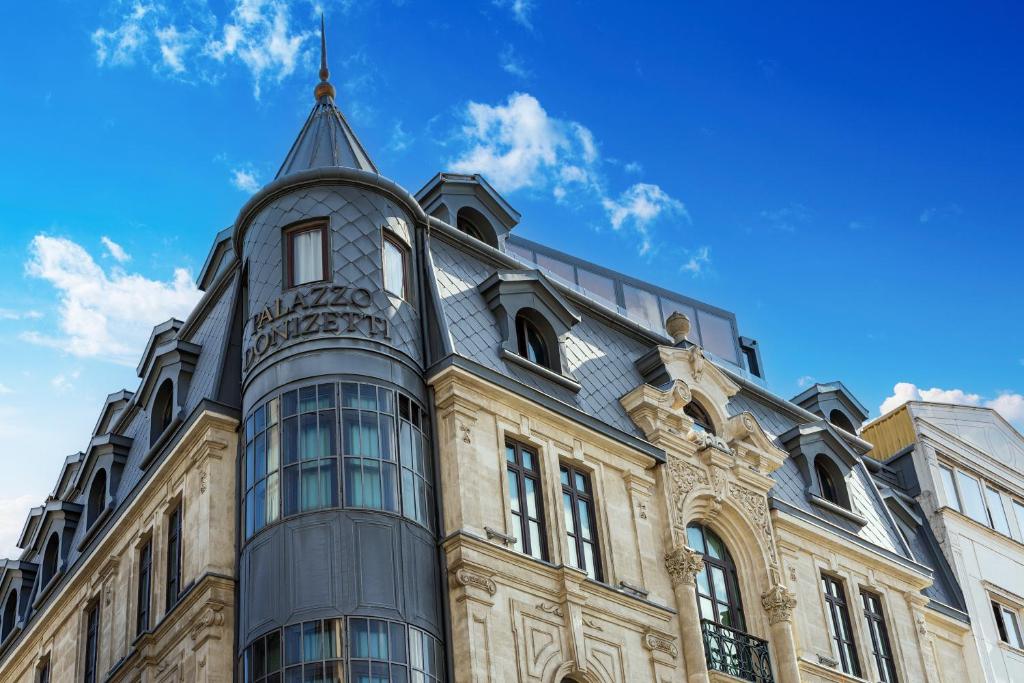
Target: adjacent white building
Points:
(964, 466)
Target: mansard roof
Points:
(112, 407)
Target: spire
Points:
(326, 139)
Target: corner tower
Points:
(338, 560)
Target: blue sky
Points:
(845, 179)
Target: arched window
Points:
(475, 224)
(839, 419)
(163, 410)
(51, 556)
(718, 592)
(827, 486)
(10, 615)
(97, 497)
(701, 419)
(532, 345)
(465, 225)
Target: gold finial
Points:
(323, 88)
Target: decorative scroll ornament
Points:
(756, 507)
(655, 641)
(779, 602)
(697, 362)
(210, 618)
(551, 609)
(683, 565)
(465, 577)
(684, 478)
(708, 440)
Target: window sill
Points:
(161, 441)
(1010, 649)
(45, 590)
(837, 509)
(95, 527)
(567, 382)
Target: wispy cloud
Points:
(64, 382)
(804, 381)
(633, 167)
(786, 219)
(934, 213)
(4, 389)
(245, 180)
(517, 145)
(115, 250)
(103, 315)
(400, 139)
(11, 314)
(521, 10)
(512, 63)
(699, 261)
(189, 42)
(1008, 404)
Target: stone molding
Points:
(683, 565)
(779, 602)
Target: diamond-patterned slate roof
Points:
(326, 140)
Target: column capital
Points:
(779, 602)
(683, 565)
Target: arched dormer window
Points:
(51, 558)
(466, 226)
(701, 420)
(97, 501)
(532, 344)
(471, 222)
(831, 484)
(10, 616)
(829, 491)
(163, 410)
(839, 419)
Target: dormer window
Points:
(396, 267)
(307, 252)
(163, 410)
(531, 342)
(829, 491)
(701, 419)
(51, 558)
(10, 615)
(466, 226)
(97, 502)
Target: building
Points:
(961, 469)
(396, 442)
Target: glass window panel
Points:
(350, 432)
(670, 306)
(970, 494)
(293, 645)
(390, 487)
(259, 515)
(718, 335)
(273, 497)
(260, 455)
(513, 492)
(349, 395)
(559, 268)
(574, 559)
(703, 584)
(570, 523)
(600, 285)
(996, 511)
(580, 482)
(273, 449)
(259, 658)
(307, 399)
(290, 493)
(510, 454)
(715, 548)
(369, 431)
(260, 420)
(325, 396)
(309, 446)
(588, 552)
(707, 611)
(288, 403)
(329, 482)
(290, 440)
(528, 461)
(394, 268)
(368, 397)
(313, 673)
(312, 641)
(310, 483)
(642, 305)
(535, 539)
(1018, 511)
(273, 651)
(583, 510)
(293, 675)
(386, 432)
(250, 466)
(386, 400)
(397, 643)
(249, 430)
(521, 252)
(307, 256)
(695, 539)
(248, 514)
(718, 581)
(531, 497)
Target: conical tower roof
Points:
(326, 139)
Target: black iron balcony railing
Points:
(736, 653)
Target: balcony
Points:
(736, 653)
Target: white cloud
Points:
(104, 315)
(13, 512)
(517, 145)
(4, 389)
(11, 314)
(188, 38)
(804, 381)
(400, 140)
(936, 212)
(521, 10)
(698, 261)
(639, 206)
(64, 382)
(512, 63)
(633, 167)
(245, 180)
(1008, 404)
(786, 219)
(115, 250)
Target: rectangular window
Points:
(307, 255)
(580, 523)
(43, 671)
(996, 511)
(600, 285)
(396, 267)
(1008, 625)
(970, 497)
(881, 649)
(173, 556)
(952, 498)
(1018, 511)
(145, 587)
(642, 306)
(525, 499)
(377, 651)
(92, 634)
(368, 443)
(839, 624)
(425, 657)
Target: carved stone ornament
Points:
(466, 577)
(779, 602)
(466, 432)
(659, 642)
(685, 477)
(756, 507)
(708, 440)
(551, 609)
(683, 565)
(697, 362)
(211, 617)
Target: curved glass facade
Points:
(322, 651)
(294, 455)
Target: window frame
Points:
(878, 630)
(524, 326)
(403, 250)
(574, 536)
(700, 416)
(838, 611)
(173, 548)
(144, 592)
(1001, 610)
(43, 669)
(955, 499)
(733, 598)
(289, 234)
(92, 637)
(521, 520)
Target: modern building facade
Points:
(961, 468)
(395, 442)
